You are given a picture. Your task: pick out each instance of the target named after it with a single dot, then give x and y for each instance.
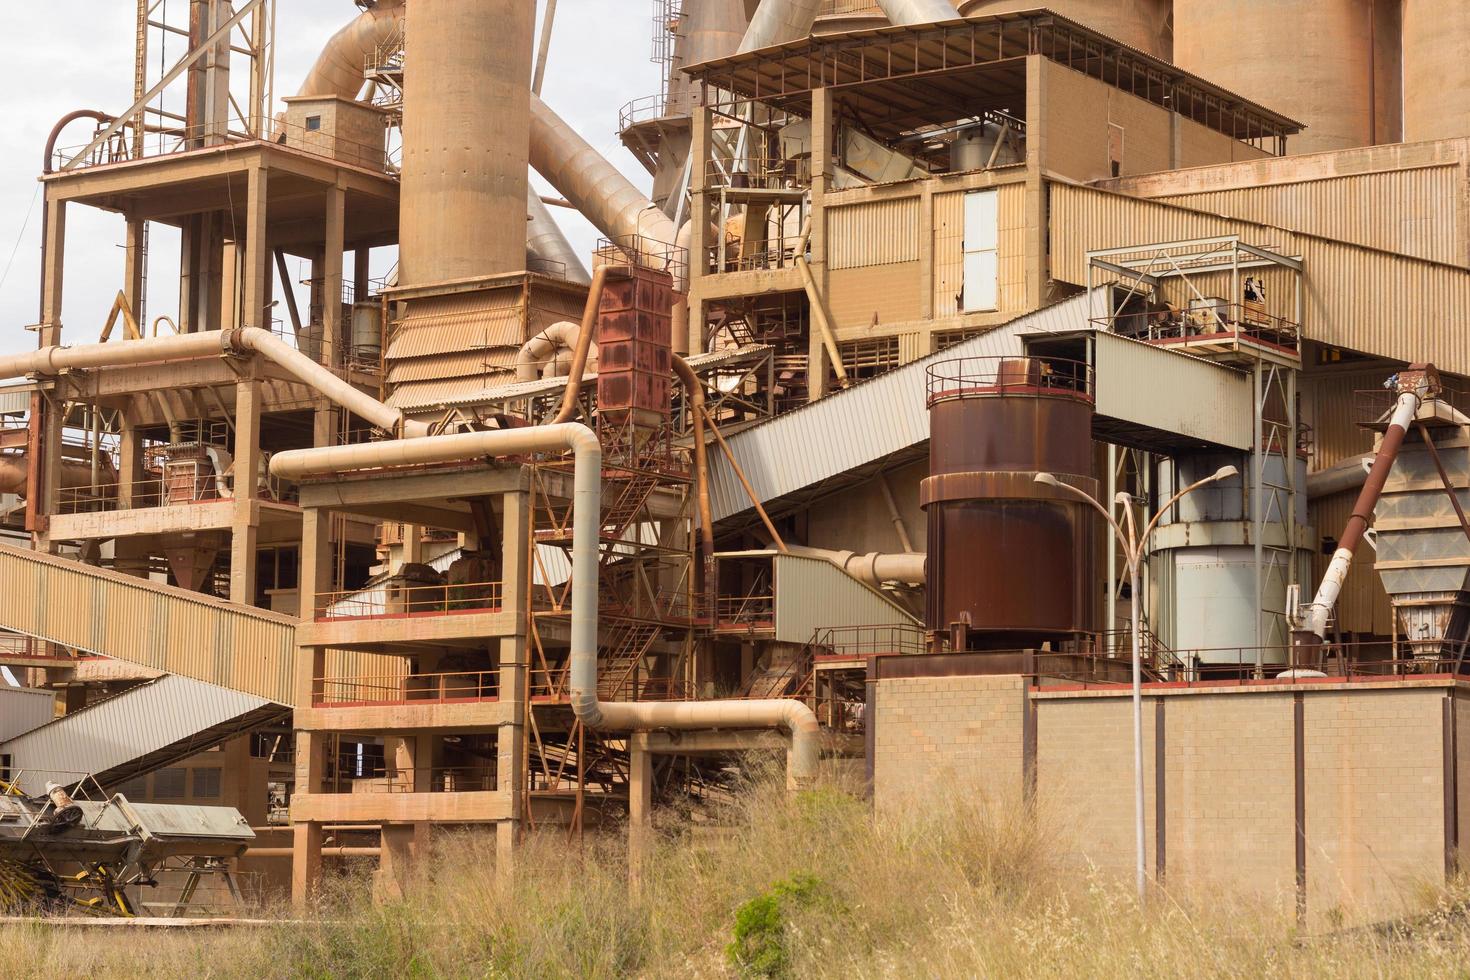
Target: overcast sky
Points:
(79, 54)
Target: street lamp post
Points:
(1134, 546)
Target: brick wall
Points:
(934, 732)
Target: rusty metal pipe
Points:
(583, 348)
(1312, 627)
(695, 389)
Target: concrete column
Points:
(245, 523)
(822, 135)
(699, 212)
(130, 464)
(306, 843)
(306, 862)
(134, 270)
(51, 272)
(50, 471)
(331, 275)
(1036, 220)
(514, 653)
(640, 805)
(395, 860)
(256, 270)
(316, 560)
(361, 272)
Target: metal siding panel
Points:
(1361, 299)
(864, 423)
(949, 259)
(1164, 389)
(873, 233)
(121, 728)
(813, 594)
(23, 709)
(1400, 210)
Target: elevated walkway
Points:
(142, 729)
(198, 637)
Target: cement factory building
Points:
(965, 358)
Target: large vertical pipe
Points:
(778, 21)
(918, 11)
(465, 144)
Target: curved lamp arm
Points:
(1048, 480)
(1223, 473)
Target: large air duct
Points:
(779, 21)
(338, 69)
(212, 343)
(545, 242)
(918, 11)
(593, 186)
(790, 714)
(465, 106)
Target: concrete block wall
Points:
(1373, 800)
(931, 733)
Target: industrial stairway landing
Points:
(195, 636)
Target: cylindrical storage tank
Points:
(1141, 24)
(1010, 559)
(466, 139)
(974, 146)
(1309, 59)
(1203, 561)
(1436, 68)
(367, 331)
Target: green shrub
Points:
(761, 947)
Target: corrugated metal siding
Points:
(135, 723)
(456, 323)
(873, 233)
(1326, 405)
(1145, 385)
(949, 252)
(812, 594)
(22, 709)
(864, 423)
(1365, 300)
(949, 259)
(1408, 211)
(169, 629)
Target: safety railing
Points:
(657, 106)
(450, 687)
(741, 614)
(853, 642)
(15, 646)
(426, 779)
(1373, 406)
(396, 600)
(961, 377)
(1215, 322)
(370, 155)
(773, 253)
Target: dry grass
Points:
(963, 889)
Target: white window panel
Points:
(982, 263)
(982, 220)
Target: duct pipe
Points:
(899, 527)
(1345, 474)
(918, 11)
(13, 470)
(593, 186)
(545, 241)
(794, 716)
(212, 343)
(778, 21)
(546, 348)
(1311, 621)
(339, 68)
(873, 568)
(584, 346)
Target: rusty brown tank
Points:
(1009, 558)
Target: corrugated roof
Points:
(863, 424)
(111, 735)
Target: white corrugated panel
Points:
(1163, 389)
(814, 594)
(23, 708)
(873, 233)
(863, 424)
(117, 730)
